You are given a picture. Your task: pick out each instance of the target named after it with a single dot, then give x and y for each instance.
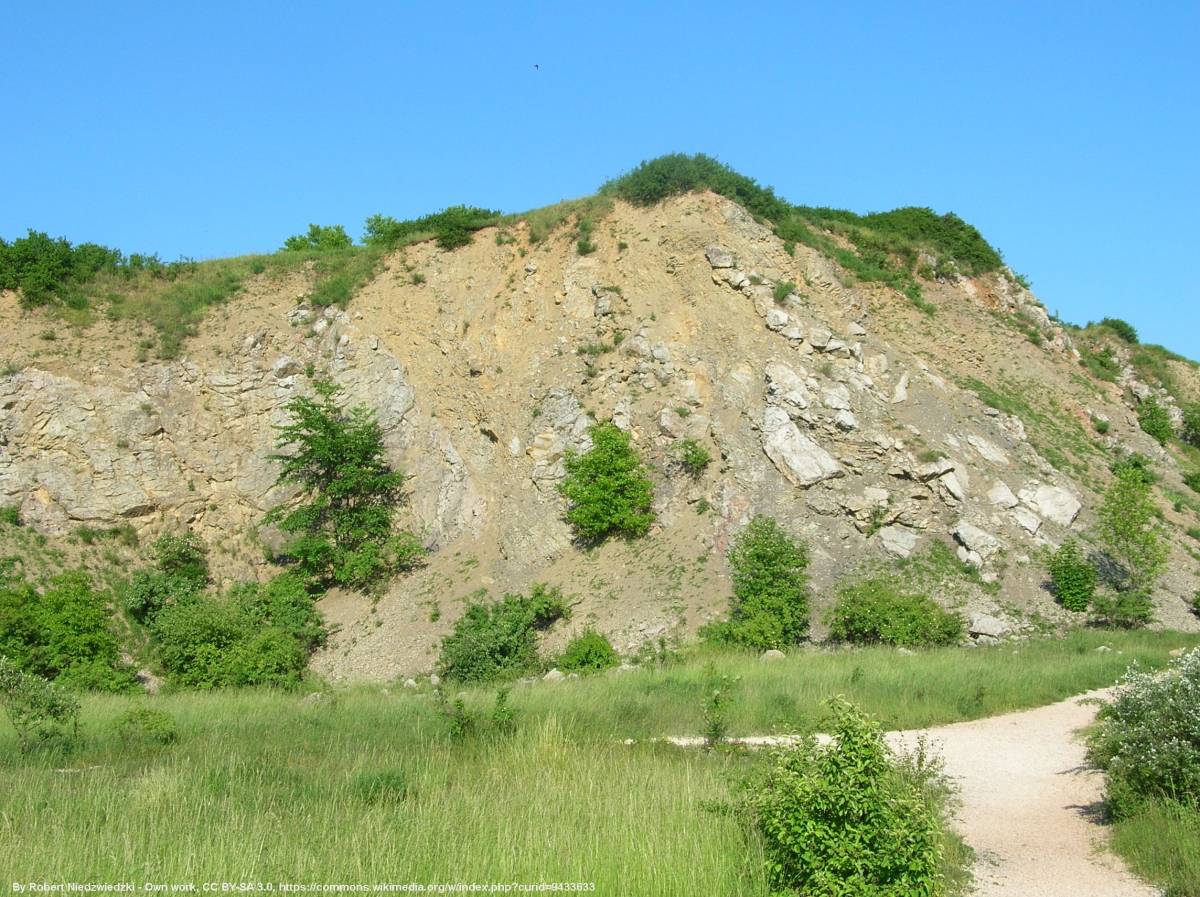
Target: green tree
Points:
(769, 608)
(607, 488)
(343, 521)
(1073, 577)
(1190, 433)
(1130, 535)
(1155, 420)
(180, 569)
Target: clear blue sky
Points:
(1066, 131)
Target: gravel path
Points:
(1030, 808)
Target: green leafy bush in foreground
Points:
(874, 612)
(588, 652)
(146, 725)
(258, 634)
(1073, 577)
(62, 633)
(769, 608)
(842, 819)
(607, 489)
(498, 640)
(40, 711)
(1148, 738)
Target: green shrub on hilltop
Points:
(769, 607)
(452, 227)
(843, 819)
(342, 524)
(319, 238)
(1073, 577)
(874, 612)
(47, 271)
(496, 641)
(607, 489)
(1125, 331)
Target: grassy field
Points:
(367, 786)
(1160, 844)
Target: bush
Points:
(46, 270)
(1121, 329)
(782, 290)
(1148, 738)
(841, 819)
(769, 608)
(499, 640)
(319, 239)
(146, 725)
(874, 612)
(693, 457)
(1131, 537)
(1192, 480)
(180, 569)
(1073, 577)
(1190, 432)
(607, 489)
(588, 652)
(1155, 421)
(10, 515)
(39, 711)
(283, 603)
(1138, 465)
(342, 523)
(63, 633)
(207, 642)
(452, 227)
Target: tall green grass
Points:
(368, 786)
(1162, 844)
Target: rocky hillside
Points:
(867, 425)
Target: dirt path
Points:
(1029, 807)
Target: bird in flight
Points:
(535, 65)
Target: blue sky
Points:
(1067, 132)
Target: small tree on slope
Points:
(343, 523)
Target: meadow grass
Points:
(366, 784)
(1160, 844)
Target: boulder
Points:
(554, 676)
(898, 541)
(796, 456)
(777, 319)
(900, 393)
(1028, 520)
(989, 450)
(976, 540)
(1001, 496)
(719, 256)
(771, 655)
(285, 366)
(819, 338)
(410, 683)
(987, 626)
(845, 420)
(1053, 503)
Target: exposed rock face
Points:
(822, 411)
